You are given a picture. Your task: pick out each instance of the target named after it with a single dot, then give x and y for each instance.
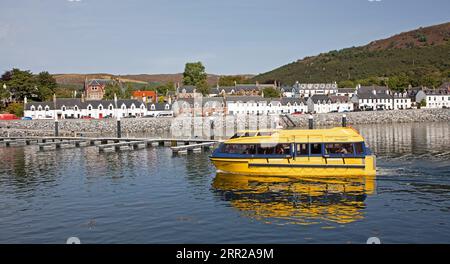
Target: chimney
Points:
(374, 92)
(82, 97)
(25, 100)
(115, 99)
(235, 83)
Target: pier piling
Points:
(119, 129)
(56, 127)
(311, 122)
(344, 120)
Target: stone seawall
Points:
(154, 127)
(376, 117)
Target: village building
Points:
(373, 98)
(340, 103)
(435, 98)
(348, 92)
(159, 110)
(145, 96)
(320, 103)
(241, 89)
(289, 91)
(187, 91)
(310, 89)
(78, 108)
(94, 89)
(256, 105)
(402, 101)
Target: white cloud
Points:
(74, 0)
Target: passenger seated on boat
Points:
(343, 150)
(338, 149)
(250, 150)
(279, 150)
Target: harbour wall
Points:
(163, 127)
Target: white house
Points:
(373, 98)
(401, 101)
(159, 110)
(78, 108)
(435, 98)
(348, 92)
(255, 105)
(320, 103)
(310, 89)
(341, 103)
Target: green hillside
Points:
(419, 57)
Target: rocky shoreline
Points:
(156, 127)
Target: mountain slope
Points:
(420, 56)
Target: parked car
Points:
(297, 113)
(86, 117)
(27, 118)
(8, 117)
(164, 115)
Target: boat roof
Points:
(337, 134)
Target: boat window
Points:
(272, 149)
(239, 149)
(359, 149)
(339, 148)
(302, 149)
(264, 134)
(316, 149)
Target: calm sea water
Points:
(148, 196)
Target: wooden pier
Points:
(192, 147)
(111, 144)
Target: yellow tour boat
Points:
(339, 151)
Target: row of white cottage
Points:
(64, 108)
(377, 99)
(233, 105)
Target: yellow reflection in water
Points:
(299, 200)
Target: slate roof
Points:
(246, 99)
(187, 88)
(99, 81)
(315, 86)
(292, 101)
(369, 89)
(158, 107)
(346, 90)
(71, 102)
(320, 97)
(370, 95)
(339, 99)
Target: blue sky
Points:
(229, 36)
